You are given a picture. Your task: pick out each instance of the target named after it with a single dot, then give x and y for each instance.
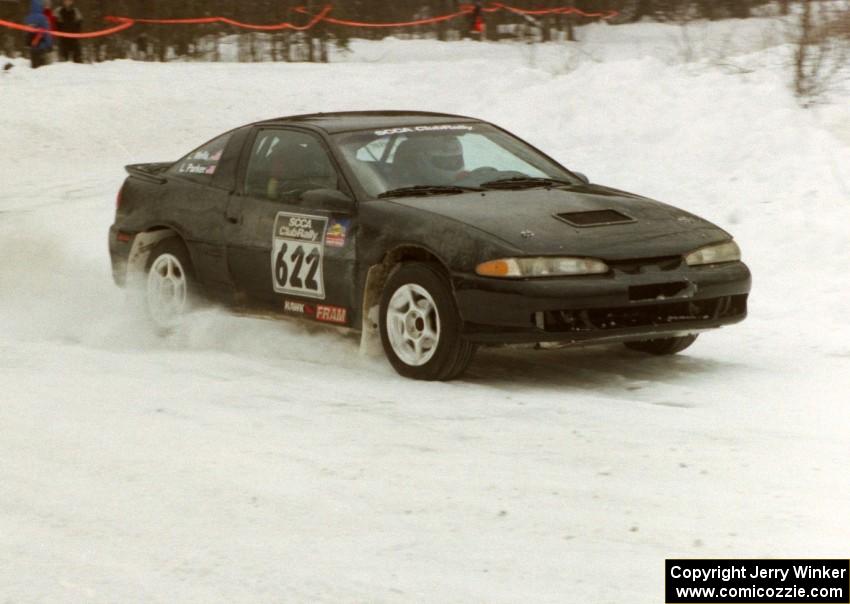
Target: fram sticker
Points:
(332, 314)
(337, 232)
(298, 250)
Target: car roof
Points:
(346, 121)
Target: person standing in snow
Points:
(48, 12)
(476, 22)
(40, 43)
(51, 18)
(70, 21)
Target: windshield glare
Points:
(452, 155)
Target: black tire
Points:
(171, 247)
(452, 352)
(663, 346)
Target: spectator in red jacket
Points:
(40, 42)
(476, 22)
(48, 12)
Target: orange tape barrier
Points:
(564, 10)
(468, 9)
(428, 21)
(322, 16)
(124, 23)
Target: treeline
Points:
(202, 42)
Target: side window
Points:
(286, 163)
(201, 164)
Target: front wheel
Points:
(420, 324)
(662, 346)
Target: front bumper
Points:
(636, 300)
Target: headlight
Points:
(513, 268)
(714, 254)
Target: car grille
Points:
(601, 319)
(640, 265)
(659, 291)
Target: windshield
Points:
(452, 156)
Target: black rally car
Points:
(438, 231)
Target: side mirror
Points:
(331, 200)
(583, 178)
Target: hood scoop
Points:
(594, 218)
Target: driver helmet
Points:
(441, 157)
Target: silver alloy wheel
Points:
(413, 324)
(167, 290)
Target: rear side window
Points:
(201, 164)
(287, 163)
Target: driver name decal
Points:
(298, 250)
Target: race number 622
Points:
(298, 268)
(298, 249)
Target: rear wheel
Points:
(420, 324)
(662, 346)
(169, 284)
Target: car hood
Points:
(528, 220)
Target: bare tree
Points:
(822, 48)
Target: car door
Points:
(290, 235)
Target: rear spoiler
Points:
(149, 172)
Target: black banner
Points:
(757, 581)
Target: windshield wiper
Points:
(527, 182)
(418, 190)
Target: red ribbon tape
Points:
(124, 23)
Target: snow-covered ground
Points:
(251, 461)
